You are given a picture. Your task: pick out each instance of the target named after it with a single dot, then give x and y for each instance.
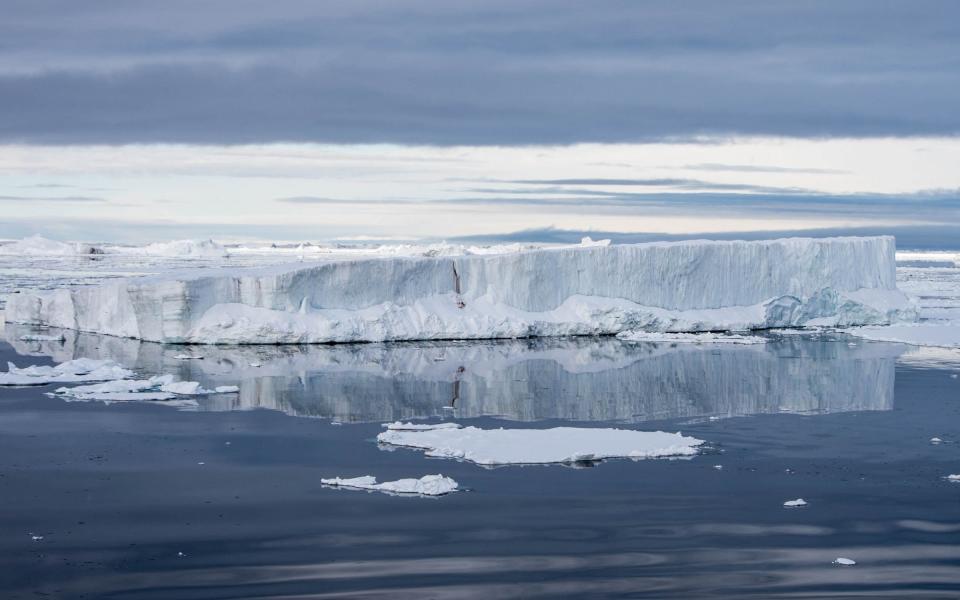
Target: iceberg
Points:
(36, 245)
(695, 286)
(492, 447)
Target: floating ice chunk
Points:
(35, 538)
(73, 371)
(955, 478)
(847, 562)
(161, 388)
(255, 365)
(428, 485)
(540, 446)
(398, 426)
(795, 503)
(226, 389)
(936, 440)
(691, 338)
(718, 467)
(187, 357)
(42, 338)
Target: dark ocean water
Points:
(126, 510)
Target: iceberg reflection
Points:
(582, 379)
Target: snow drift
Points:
(673, 287)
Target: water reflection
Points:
(583, 379)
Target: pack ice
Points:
(667, 287)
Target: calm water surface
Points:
(127, 510)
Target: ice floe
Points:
(846, 562)
(540, 446)
(34, 337)
(942, 335)
(72, 371)
(795, 503)
(690, 338)
(428, 485)
(157, 388)
(693, 286)
(955, 477)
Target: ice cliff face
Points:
(684, 286)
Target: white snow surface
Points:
(941, 335)
(690, 338)
(157, 388)
(540, 446)
(40, 246)
(581, 290)
(72, 371)
(428, 485)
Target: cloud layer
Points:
(454, 72)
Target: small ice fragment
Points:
(36, 538)
(714, 418)
(181, 554)
(41, 338)
(954, 376)
(255, 365)
(955, 477)
(336, 423)
(398, 426)
(226, 443)
(851, 344)
(795, 503)
(201, 463)
(226, 389)
(718, 467)
(935, 440)
(847, 562)
(187, 357)
(428, 485)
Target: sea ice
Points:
(690, 338)
(795, 503)
(157, 388)
(187, 357)
(226, 389)
(692, 286)
(540, 446)
(847, 562)
(428, 485)
(72, 371)
(943, 335)
(40, 246)
(41, 338)
(955, 477)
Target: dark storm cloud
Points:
(496, 72)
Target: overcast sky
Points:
(318, 120)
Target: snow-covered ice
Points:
(540, 446)
(847, 562)
(157, 388)
(942, 335)
(35, 337)
(955, 477)
(73, 371)
(583, 290)
(690, 338)
(795, 503)
(428, 485)
(40, 246)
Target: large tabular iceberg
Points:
(683, 286)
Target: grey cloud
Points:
(497, 72)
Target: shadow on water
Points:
(138, 501)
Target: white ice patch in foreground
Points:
(428, 485)
(158, 388)
(847, 562)
(795, 503)
(540, 446)
(690, 338)
(72, 371)
(954, 478)
(943, 335)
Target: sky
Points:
(439, 119)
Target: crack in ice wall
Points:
(682, 286)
